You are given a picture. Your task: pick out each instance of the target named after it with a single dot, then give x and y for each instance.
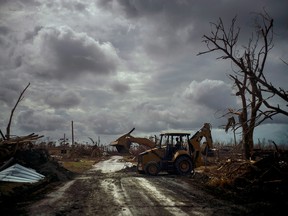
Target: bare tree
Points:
(21, 97)
(254, 90)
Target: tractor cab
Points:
(172, 155)
(173, 142)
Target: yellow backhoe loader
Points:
(175, 152)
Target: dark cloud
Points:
(2, 2)
(66, 99)
(30, 121)
(6, 46)
(109, 123)
(66, 54)
(30, 35)
(140, 8)
(19, 4)
(188, 11)
(4, 30)
(9, 91)
(80, 6)
(74, 6)
(111, 65)
(154, 116)
(30, 2)
(120, 87)
(107, 4)
(214, 94)
(175, 23)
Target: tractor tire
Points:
(152, 168)
(184, 166)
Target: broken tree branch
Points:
(21, 97)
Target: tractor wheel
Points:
(184, 166)
(152, 168)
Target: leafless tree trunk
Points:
(21, 97)
(249, 78)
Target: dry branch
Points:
(21, 97)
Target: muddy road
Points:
(110, 189)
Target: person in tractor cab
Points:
(178, 144)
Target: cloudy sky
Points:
(111, 65)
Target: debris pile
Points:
(19, 154)
(9, 147)
(269, 173)
(230, 170)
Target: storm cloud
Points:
(111, 65)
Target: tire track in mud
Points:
(197, 201)
(169, 205)
(47, 205)
(113, 188)
(137, 196)
(129, 193)
(172, 196)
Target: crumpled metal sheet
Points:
(18, 173)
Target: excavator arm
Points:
(195, 141)
(205, 131)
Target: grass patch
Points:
(79, 166)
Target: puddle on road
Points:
(115, 163)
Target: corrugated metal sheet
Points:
(18, 173)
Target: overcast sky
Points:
(111, 65)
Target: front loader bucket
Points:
(122, 148)
(122, 144)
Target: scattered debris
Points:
(39, 160)
(268, 173)
(8, 147)
(21, 140)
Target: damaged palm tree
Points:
(231, 125)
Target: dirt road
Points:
(108, 189)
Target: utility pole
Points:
(63, 140)
(72, 126)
